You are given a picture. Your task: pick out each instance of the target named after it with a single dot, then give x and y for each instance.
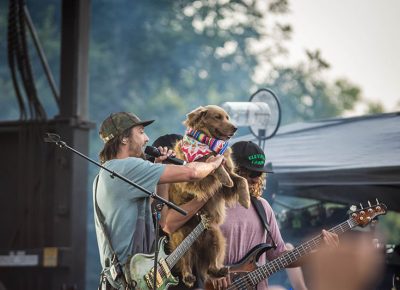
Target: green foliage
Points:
(375, 108)
(155, 57)
(390, 227)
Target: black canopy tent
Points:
(344, 160)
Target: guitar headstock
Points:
(205, 221)
(364, 215)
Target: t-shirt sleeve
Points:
(275, 232)
(142, 172)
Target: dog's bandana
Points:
(195, 144)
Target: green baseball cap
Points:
(250, 156)
(117, 123)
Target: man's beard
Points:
(139, 153)
(142, 155)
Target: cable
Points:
(19, 63)
(11, 47)
(42, 56)
(26, 68)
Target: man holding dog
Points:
(122, 212)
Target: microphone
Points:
(153, 151)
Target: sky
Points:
(359, 38)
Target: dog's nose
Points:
(234, 129)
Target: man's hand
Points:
(330, 239)
(165, 152)
(218, 160)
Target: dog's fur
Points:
(224, 187)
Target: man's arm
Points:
(192, 171)
(171, 220)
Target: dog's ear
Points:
(194, 116)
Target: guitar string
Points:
(182, 248)
(254, 275)
(270, 268)
(274, 265)
(293, 255)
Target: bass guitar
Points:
(246, 274)
(141, 266)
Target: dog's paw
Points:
(188, 279)
(216, 273)
(244, 194)
(244, 201)
(223, 176)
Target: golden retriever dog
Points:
(225, 188)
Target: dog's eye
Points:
(219, 117)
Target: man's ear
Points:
(124, 141)
(195, 116)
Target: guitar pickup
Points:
(165, 268)
(150, 275)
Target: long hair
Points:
(256, 189)
(111, 148)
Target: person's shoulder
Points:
(265, 203)
(130, 163)
(125, 160)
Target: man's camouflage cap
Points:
(117, 123)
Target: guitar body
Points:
(141, 266)
(141, 270)
(247, 264)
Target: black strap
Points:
(262, 215)
(261, 212)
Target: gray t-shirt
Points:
(126, 209)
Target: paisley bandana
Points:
(195, 144)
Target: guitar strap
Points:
(115, 267)
(263, 216)
(101, 219)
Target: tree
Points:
(155, 57)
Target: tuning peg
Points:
(353, 208)
(361, 206)
(369, 203)
(377, 201)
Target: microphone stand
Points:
(54, 138)
(156, 214)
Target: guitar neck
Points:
(288, 258)
(174, 257)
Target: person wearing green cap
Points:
(244, 228)
(122, 212)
